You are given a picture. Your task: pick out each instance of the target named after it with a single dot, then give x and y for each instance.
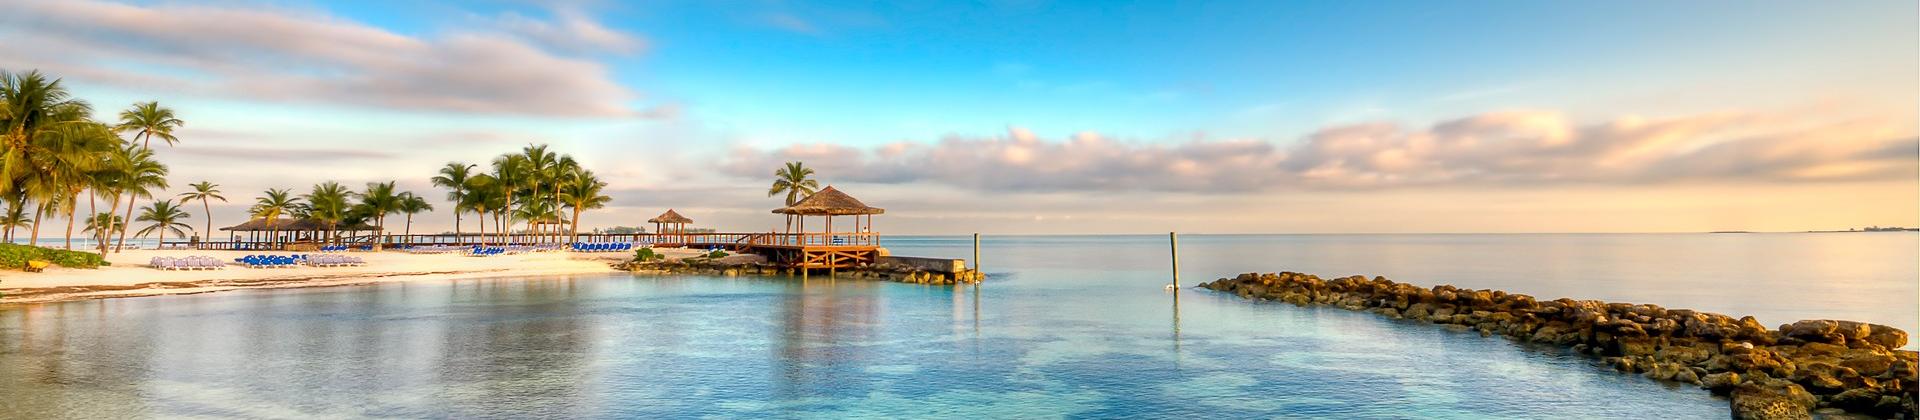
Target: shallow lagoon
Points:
(1068, 326)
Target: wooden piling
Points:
(1174, 239)
(976, 253)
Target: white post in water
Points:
(1174, 239)
(976, 253)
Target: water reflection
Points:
(825, 325)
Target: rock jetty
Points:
(1790, 372)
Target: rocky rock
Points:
(1720, 383)
(1770, 400)
(1769, 372)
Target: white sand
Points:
(130, 276)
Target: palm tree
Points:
(166, 217)
(103, 224)
(204, 191)
(479, 199)
(328, 203)
(795, 180)
(378, 201)
(508, 174)
(31, 106)
(454, 178)
(411, 204)
(148, 120)
(538, 165)
(69, 157)
(14, 218)
(276, 202)
(582, 191)
(139, 175)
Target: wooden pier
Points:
(795, 248)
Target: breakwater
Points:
(1768, 373)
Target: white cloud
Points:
(301, 56)
(1496, 148)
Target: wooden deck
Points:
(797, 250)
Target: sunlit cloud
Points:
(514, 67)
(1490, 149)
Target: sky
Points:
(1047, 117)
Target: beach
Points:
(129, 275)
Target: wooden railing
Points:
(642, 239)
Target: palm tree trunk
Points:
(70, 208)
(129, 217)
(35, 239)
(575, 229)
(409, 231)
(99, 232)
(208, 210)
(483, 228)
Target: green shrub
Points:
(647, 254)
(717, 254)
(15, 256)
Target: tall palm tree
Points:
(204, 191)
(411, 204)
(479, 199)
(103, 224)
(139, 176)
(797, 181)
(563, 171)
(538, 165)
(328, 203)
(148, 120)
(454, 178)
(14, 218)
(70, 156)
(166, 217)
(378, 201)
(582, 191)
(509, 173)
(276, 202)
(31, 106)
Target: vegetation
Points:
(52, 151)
(647, 254)
(14, 257)
(794, 179)
(54, 156)
(204, 191)
(165, 217)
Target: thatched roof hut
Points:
(288, 225)
(670, 217)
(830, 202)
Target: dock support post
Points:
(1174, 239)
(976, 253)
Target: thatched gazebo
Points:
(830, 202)
(283, 230)
(670, 222)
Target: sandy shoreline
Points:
(129, 275)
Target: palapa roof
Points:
(670, 217)
(829, 202)
(289, 224)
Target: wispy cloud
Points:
(1496, 148)
(519, 66)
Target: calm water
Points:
(1068, 326)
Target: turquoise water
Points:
(1067, 327)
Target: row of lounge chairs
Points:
(607, 247)
(186, 263)
(269, 261)
(324, 260)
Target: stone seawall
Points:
(1789, 372)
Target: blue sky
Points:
(1064, 108)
